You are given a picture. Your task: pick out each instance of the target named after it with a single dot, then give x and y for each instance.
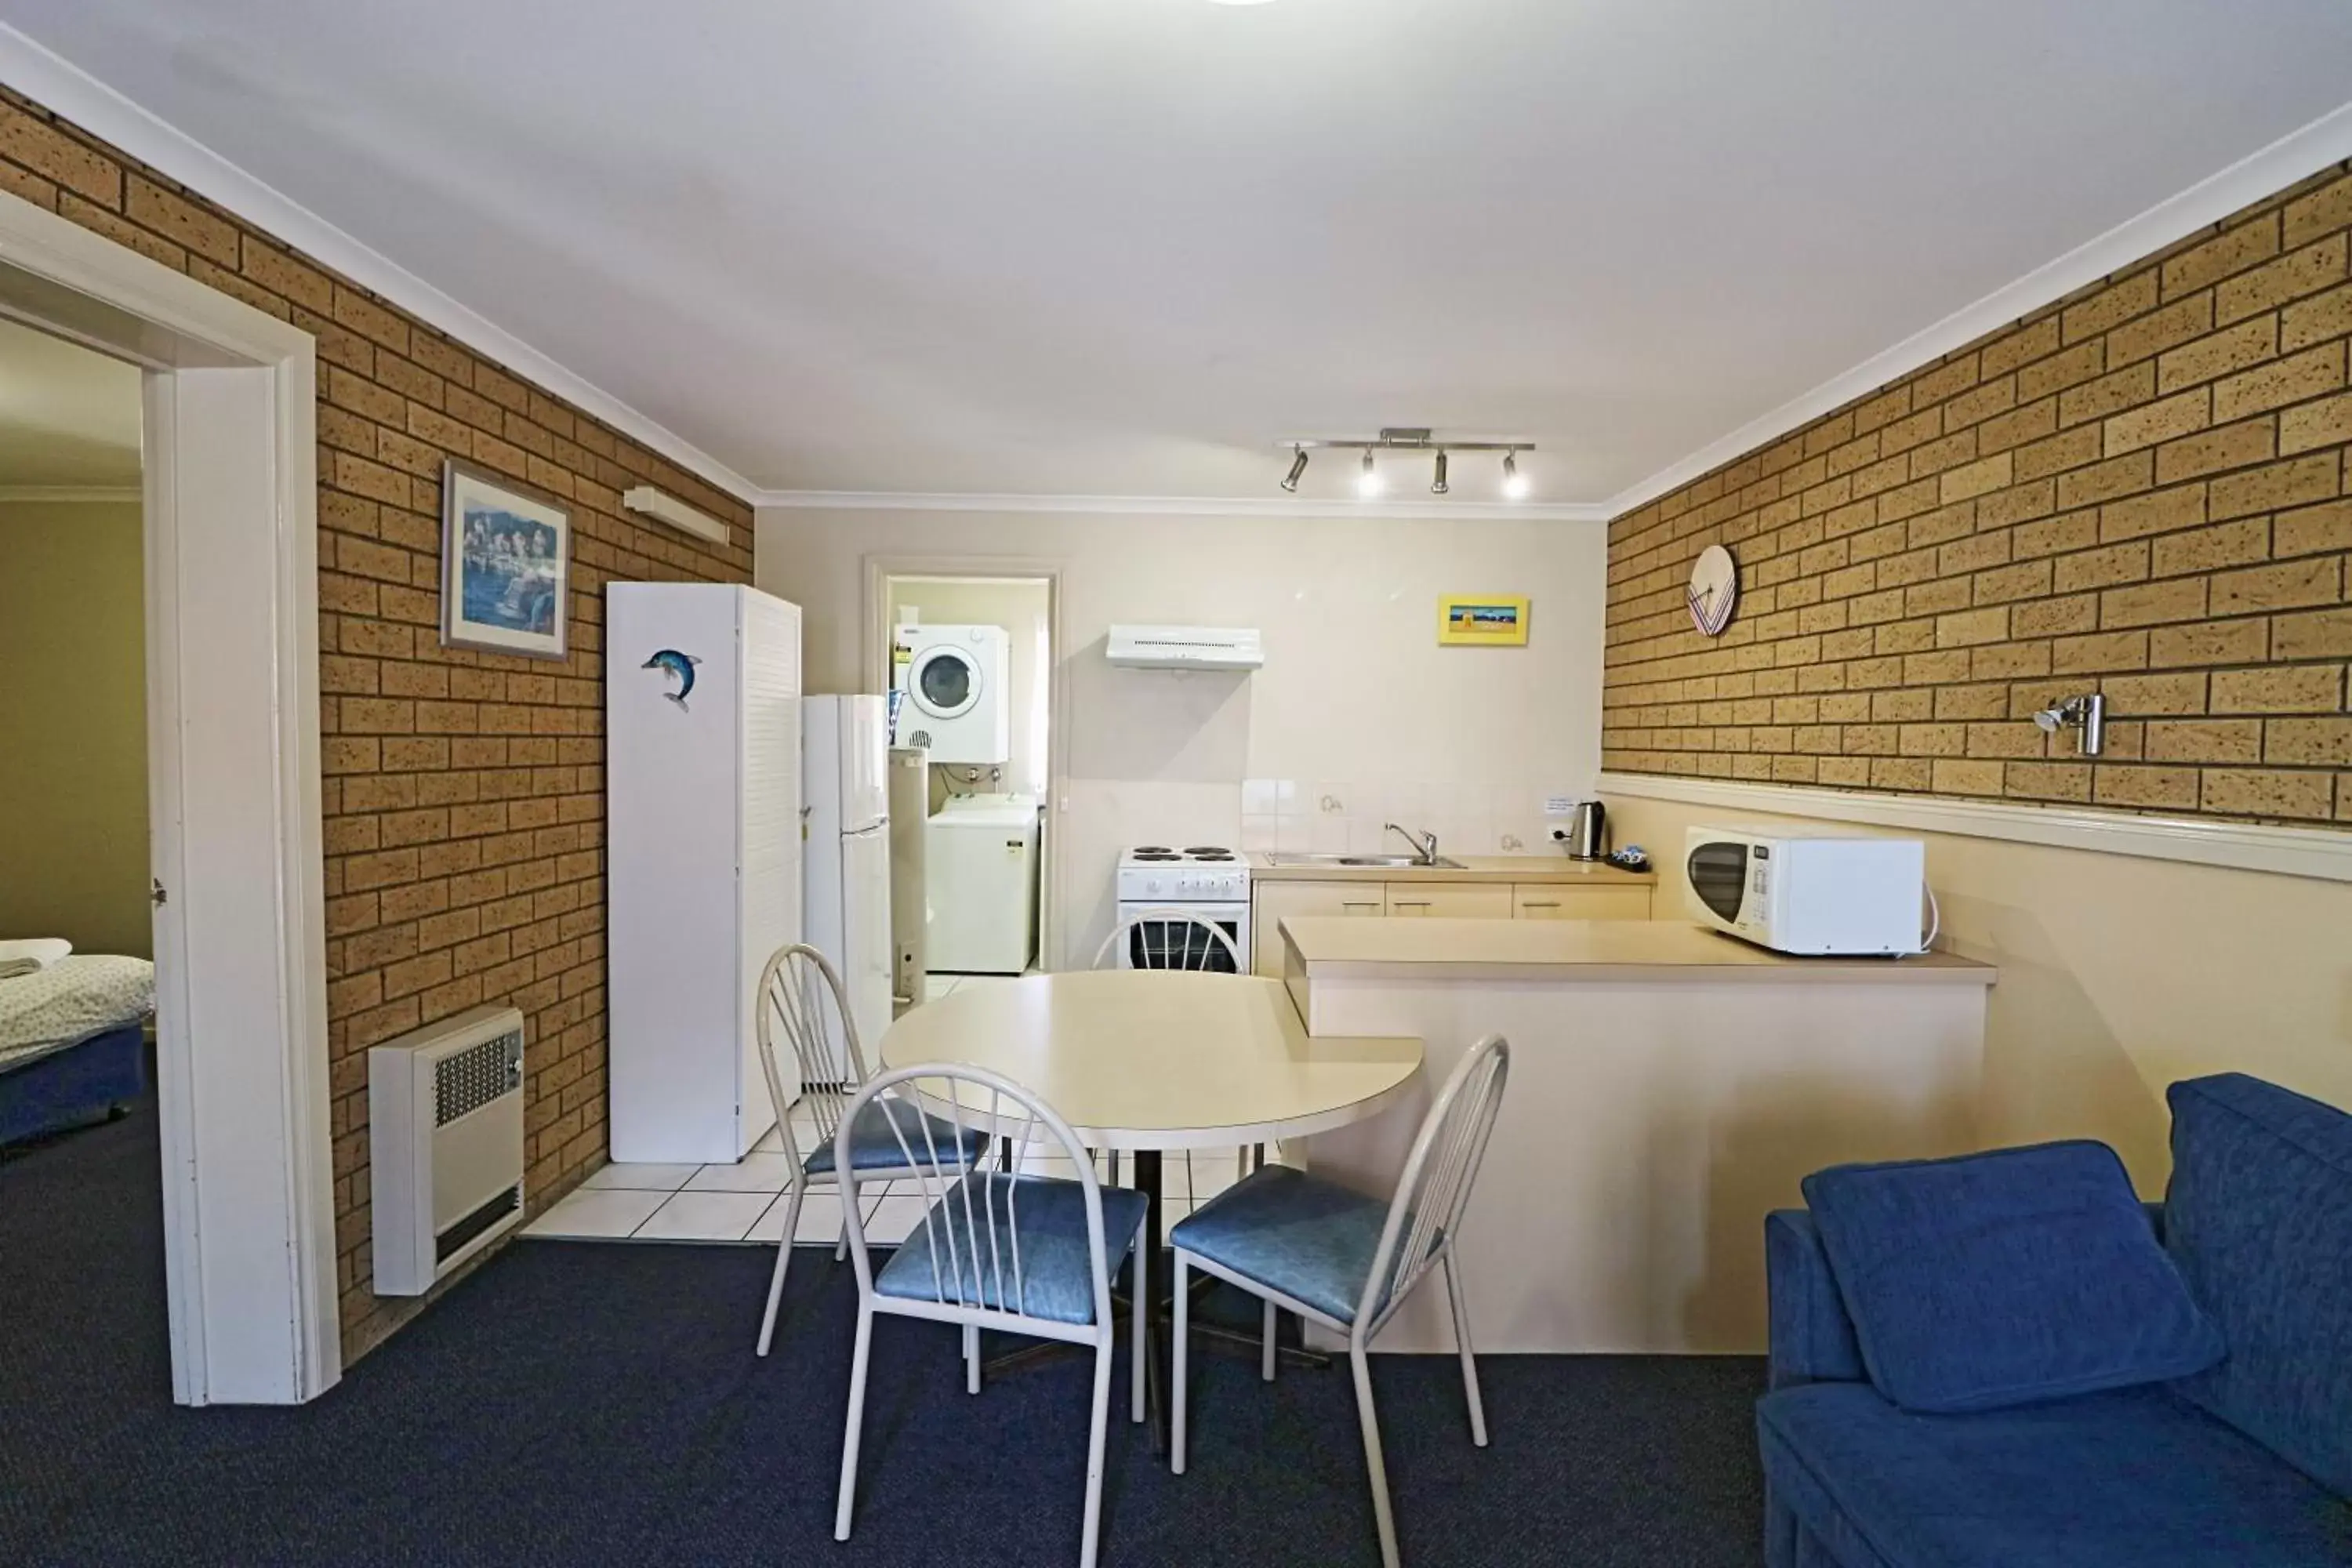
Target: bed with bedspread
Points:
(72, 1042)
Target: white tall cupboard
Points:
(704, 858)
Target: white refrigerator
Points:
(846, 916)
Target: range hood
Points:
(1185, 647)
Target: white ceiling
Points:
(68, 416)
(1122, 246)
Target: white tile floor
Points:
(743, 1202)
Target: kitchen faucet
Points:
(1426, 843)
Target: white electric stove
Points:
(1203, 880)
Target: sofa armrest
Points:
(1813, 1339)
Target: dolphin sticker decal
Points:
(671, 662)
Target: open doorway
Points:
(971, 658)
(80, 1162)
(224, 532)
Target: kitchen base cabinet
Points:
(1449, 901)
(1550, 901)
(1272, 902)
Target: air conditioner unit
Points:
(1185, 647)
(444, 1136)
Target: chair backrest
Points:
(801, 1007)
(1426, 1213)
(973, 1224)
(1170, 939)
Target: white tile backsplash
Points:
(1341, 817)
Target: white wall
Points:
(1024, 610)
(1357, 700)
(2118, 975)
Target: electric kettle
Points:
(1588, 832)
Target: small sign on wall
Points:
(1482, 620)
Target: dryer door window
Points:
(945, 682)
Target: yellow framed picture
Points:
(1482, 620)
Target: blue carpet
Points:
(576, 1403)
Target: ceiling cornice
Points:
(68, 91)
(2294, 156)
(1181, 506)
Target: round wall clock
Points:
(1714, 590)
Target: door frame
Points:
(874, 674)
(230, 501)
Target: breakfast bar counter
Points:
(1669, 1085)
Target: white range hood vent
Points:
(1186, 648)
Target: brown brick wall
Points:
(464, 792)
(2141, 490)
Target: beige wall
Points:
(1357, 701)
(73, 710)
(1024, 610)
(2118, 975)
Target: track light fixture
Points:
(1298, 466)
(1412, 438)
(1514, 483)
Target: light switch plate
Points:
(1559, 805)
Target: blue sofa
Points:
(2247, 1465)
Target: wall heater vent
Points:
(445, 1134)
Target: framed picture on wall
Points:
(1482, 620)
(505, 566)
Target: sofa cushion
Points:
(1998, 1278)
(2129, 1478)
(2259, 1218)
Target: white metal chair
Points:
(1346, 1261)
(1169, 939)
(996, 1249)
(798, 995)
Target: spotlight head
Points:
(1298, 466)
(1514, 483)
(1437, 485)
(1368, 479)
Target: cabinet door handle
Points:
(1540, 903)
(1359, 904)
(1413, 903)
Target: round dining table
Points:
(1150, 1060)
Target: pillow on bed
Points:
(31, 955)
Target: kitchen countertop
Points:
(1556, 869)
(1332, 948)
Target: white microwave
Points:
(1804, 892)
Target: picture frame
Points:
(505, 566)
(1482, 620)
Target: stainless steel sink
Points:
(1401, 861)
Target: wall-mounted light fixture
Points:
(661, 506)
(2086, 714)
(1413, 439)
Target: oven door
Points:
(1179, 944)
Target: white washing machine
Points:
(980, 884)
(956, 702)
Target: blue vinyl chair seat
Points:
(1057, 1278)
(1312, 1240)
(873, 1144)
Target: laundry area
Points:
(970, 659)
